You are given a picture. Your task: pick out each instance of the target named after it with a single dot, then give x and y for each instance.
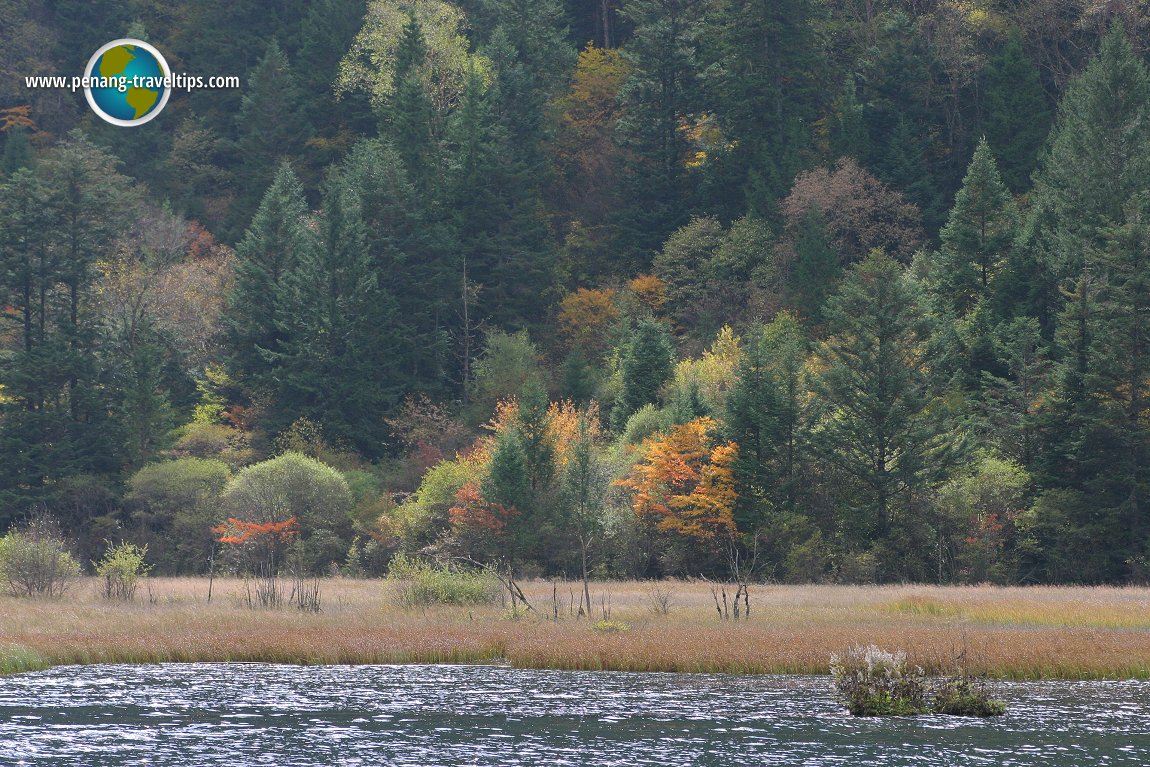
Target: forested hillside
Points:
(807, 290)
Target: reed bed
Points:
(1019, 633)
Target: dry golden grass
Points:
(1006, 632)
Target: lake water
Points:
(240, 714)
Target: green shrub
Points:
(420, 583)
(121, 568)
(965, 696)
(35, 561)
(874, 682)
(294, 485)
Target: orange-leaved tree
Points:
(478, 526)
(684, 483)
(261, 548)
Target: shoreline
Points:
(1073, 633)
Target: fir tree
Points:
(980, 230)
(17, 152)
(1099, 154)
(766, 81)
(507, 486)
(337, 343)
(57, 412)
(647, 363)
(1089, 212)
(848, 133)
(268, 251)
(816, 267)
(532, 424)
(1017, 114)
(409, 255)
(764, 417)
(270, 125)
(876, 423)
(408, 115)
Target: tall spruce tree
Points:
(407, 116)
(764, 417)
(58, 410)
(532, 423)
(978, 234)
(1098, 157)
(506, 485)
(270, 126)
(338, 343)
(410, 254)
(816, 266)
(766, 82)
(269, 250)
(498, 222)
(1017, 113)
(1087, 200)
(660, 92)
(877, 423)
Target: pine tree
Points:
(816, 267)
(337, 343)
(1121, 377)
(268, 251)
(270, 126)
(978, 234)
(764, 418)
(904, 166)
(876, 422)
(1018, 114)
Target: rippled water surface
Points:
(233, 714)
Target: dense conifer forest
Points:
(795, 290)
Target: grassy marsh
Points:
(1066, 632)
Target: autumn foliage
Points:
(237, 531)
(686, 484)
(472, 511)
(586, 317)
(862, 213)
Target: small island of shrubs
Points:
(874, 682)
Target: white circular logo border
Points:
(159, 60)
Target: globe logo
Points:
(127, 82)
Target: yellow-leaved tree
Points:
(685, 485)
